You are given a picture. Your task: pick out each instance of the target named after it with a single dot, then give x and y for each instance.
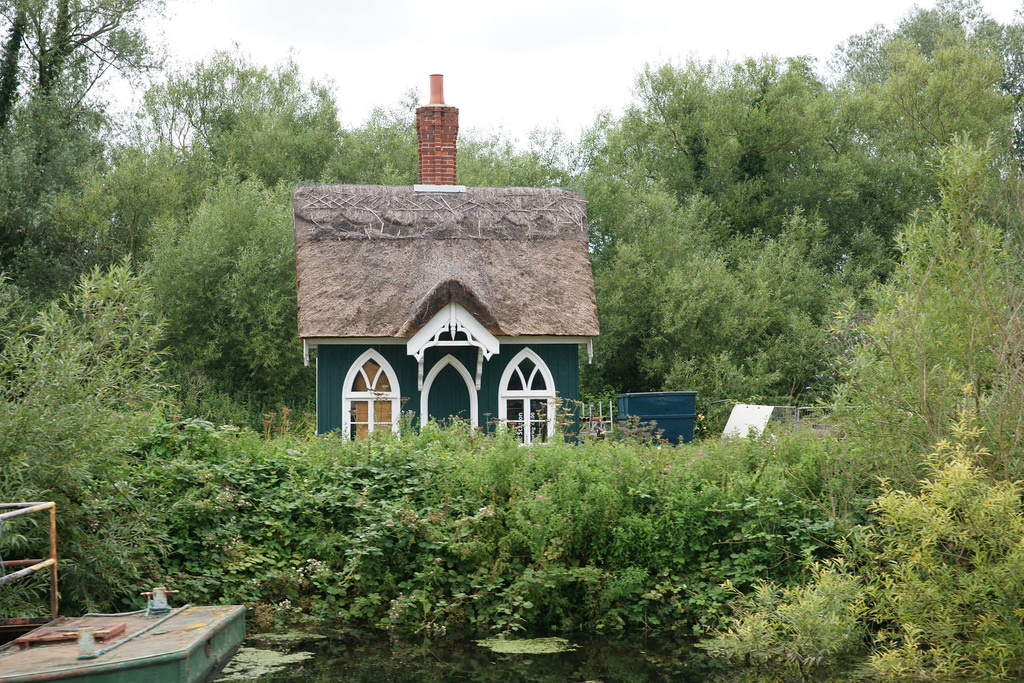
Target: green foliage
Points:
(112, 212)
(953, 91)
(52, 129)
(383, 151)
(70, 43)
(803, 630)
(247, 119)
(9, 65)
(947, 71)
(660, 292)
(947, 568)
(802, 186)
(947, 328)
(226, 283)
(43, 152)
(79, 378)
(495, 161)
(447, 528)
(762, 138)
(936, 580)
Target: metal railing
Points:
(32, 566)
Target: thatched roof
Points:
(380, 261)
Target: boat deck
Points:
(191, 644)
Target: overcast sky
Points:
(515, 65)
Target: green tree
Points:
(936, 582)
(763, 138)
(45, 152)
(225, 280)
(263, 123)
(9, 65)
(71, 44)
(682, 310)
(494, 160)
(52, 125)
(80, 379)
(383, 151)
(113, 210)
(947, 330)
(942, 72)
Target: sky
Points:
(514, 66)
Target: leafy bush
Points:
(938, 581)
(450, 527)
(949, 570)
(79, 381)
(802, 630)
(948, 329)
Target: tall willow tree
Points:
(80, 379)
(947, 71)
(52, 124)
(948, 335)
(254, 121)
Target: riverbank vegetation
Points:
(760, 233)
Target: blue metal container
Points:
(673, 412)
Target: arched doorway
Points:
(448, 391)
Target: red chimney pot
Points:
(436, 88)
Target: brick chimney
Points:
(437, 127)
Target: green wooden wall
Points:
(334, 360)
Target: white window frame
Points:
(429, 382)
(348, 396)
(505, 394)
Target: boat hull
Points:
(190, 646)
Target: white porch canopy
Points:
(453, 325)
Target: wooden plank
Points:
(57, 634)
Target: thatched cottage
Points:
(454, 301)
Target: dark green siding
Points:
(332, 364)
(334, 361)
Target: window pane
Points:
(526, 366)
(359, 420)
(514, 410)
(515, 382)
(538, 420)
(538, 432)
(383, 383)
(371, 369)
(539, 409)
(538, 383)
(361, 411)
(381, 413)
(360, 383)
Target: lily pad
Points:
(250, 663)
(527, 646)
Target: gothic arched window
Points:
(371, 397)
(526, 398)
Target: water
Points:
(372, 657)
(376, 657)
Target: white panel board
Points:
(744, 417)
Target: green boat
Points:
(158, 644)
